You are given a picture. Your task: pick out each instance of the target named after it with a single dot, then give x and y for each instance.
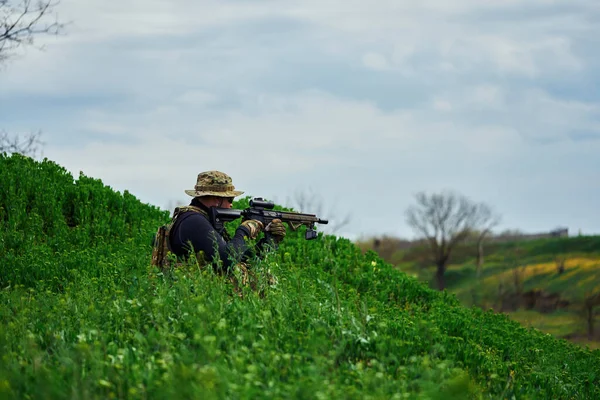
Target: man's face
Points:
(221, 202)
(226, 202)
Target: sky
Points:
(355, 105)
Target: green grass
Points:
(536, 264)
(86, 317)
(558, 323)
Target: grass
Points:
(558, 323)
(535, 265)
(84, 316)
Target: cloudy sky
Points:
(363, 103)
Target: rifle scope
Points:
(258, 202)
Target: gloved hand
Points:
(254, 227)
(277, 230)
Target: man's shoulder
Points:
(192, 216)
(186, 212)
(189, 209)
(186, 215)
(189, 224)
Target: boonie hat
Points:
(214, 183)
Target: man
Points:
(193, 232)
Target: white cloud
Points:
(403, 50)
(375, 61)
(528, 56)
(342, 96)
(334, 145)
(197, 98)
(96, 20)
(441, 105)
(534, 113)
(487, 96)
(294, 134)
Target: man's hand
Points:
(253, 226)
(277, 230)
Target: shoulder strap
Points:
(162, 242)
(182, 209)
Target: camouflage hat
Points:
(213, 183)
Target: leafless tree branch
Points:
(311, 202)
(28, 145)
(445, 219)
(22, 20)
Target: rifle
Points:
(262, 211)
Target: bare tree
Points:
(561, 262)
(311, 202)
(28, 145)
(487, 221)
(589, 303)
(23, 20)
(444, 220)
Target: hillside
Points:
(84, 316)
(541, 283)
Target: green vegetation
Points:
(512, 269)
(83, 316)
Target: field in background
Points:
(511, 269)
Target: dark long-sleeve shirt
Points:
(193, 232)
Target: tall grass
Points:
(98, 322)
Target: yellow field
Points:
(581, 277)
